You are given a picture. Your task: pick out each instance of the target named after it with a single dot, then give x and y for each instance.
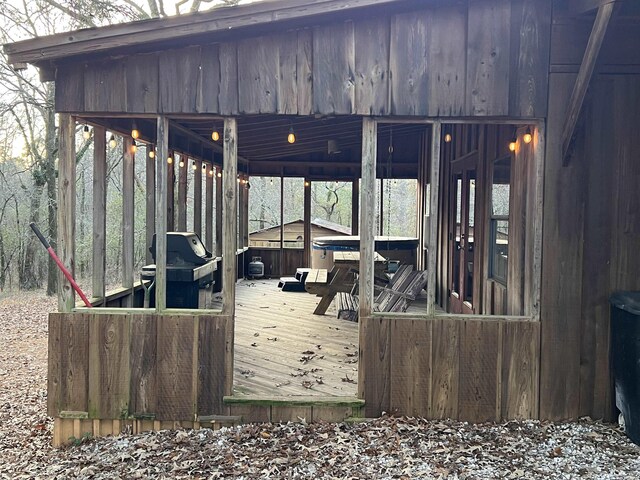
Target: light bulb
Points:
(447, 138)
(527, 137)
(512, 145)
(211, 172)
(306, 184)
(239, 180)
(291, 138)
(181, 163)
(134, 132)
(134, 147)
(194, 166)
(86, 134)
(169, 159)
(112, 141)
(152, 154)
(215, 136)
(219, 174)
(204, 167)
(271, 181)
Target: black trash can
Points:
(625, 358)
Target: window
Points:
(499, 248)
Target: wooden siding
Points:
(591, 236)
(489, 58)
(117, 366)
(450, 367)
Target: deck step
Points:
(294, 408)
(290, 284)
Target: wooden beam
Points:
(99, 244)
(307, 223)
(197, 198)
(355, 202)
(580, 7)
(171, 184)
(434, 181)
(181, 206)
(218, 213)
(150, 206)
(208, 208)
(539, 146)
(128, 214)
(245, 215)
(367, 217)
(95, 40)
(229, 216)
(162, 175)
(66, 209)
(584, 77)
(281, 224)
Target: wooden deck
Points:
(282, 349)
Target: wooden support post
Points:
(245, 215)
(282, 272)
(381, 224)
(539, 146)
(208, 208)
(307, 223)
(150, 217)
(66, 209)
(432, 246)
(161, 212)
(197, 198)
(183, 171)
(367, 217)
(229, 216)
(219, 207)
(585, 73)
(355, 209)
(99, 245)
(171, 183)
(128, 157)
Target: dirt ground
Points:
(385, 448)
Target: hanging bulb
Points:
(181, 163)
(215, 136)
(512, 144)
(134, 147)
(271, 181)
(194, 166)
(219, 173)
(86, 134)
(204, 167)
(170, 159)
(291, 138)
(135, 133)
(112, 141)
(447, 138)
(527, 136)
(152, 154)
(306, 184)
(211, 172)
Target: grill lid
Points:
(183, 249)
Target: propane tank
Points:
(256, 268)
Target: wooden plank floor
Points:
(282, 349)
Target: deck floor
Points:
(282, 349)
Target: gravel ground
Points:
(385, 448)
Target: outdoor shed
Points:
(516, 118)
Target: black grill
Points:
(190, 267)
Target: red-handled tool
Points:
(66, 272)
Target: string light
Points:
(291, 138)
(86, 134)
(219, 173)
(215, 136)
(204, 167)
(211, 171)
(527, 137)
(170, 159)
(306, 184)
(134, 147)
(135, 133)
(112, 141)
(194, 166)
(152, 153)
(181, 163)
(512, 144)
(447, 138)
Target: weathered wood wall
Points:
(591, 228)
(487, 58)
(448, 367)
(120, 366)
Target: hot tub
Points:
(402, 249)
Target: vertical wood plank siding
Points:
(487, 58)
(117, 366)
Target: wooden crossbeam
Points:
(580, 7)
(585, 73)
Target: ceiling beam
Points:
(580, 7)
(605, 12)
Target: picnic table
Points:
(341, 278)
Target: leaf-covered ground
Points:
(385, 448)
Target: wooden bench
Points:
(316, 281)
